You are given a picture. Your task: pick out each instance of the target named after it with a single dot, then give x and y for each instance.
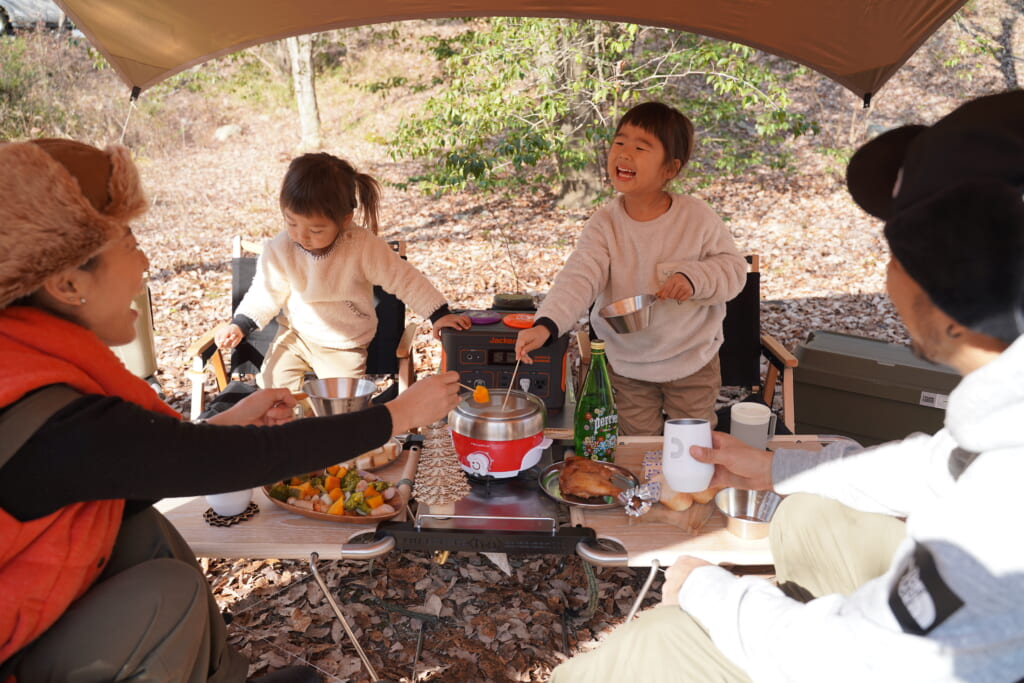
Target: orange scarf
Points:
(48, 563)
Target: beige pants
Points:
(290, 357)
(150, 618)
(819, 547)
(643, 406)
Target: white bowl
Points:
(231, 503)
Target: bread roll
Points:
(674, 500)
(707, 495)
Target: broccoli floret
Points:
(350, 481)
(280, 491)
(353, 502)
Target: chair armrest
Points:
(203, 347)
(404, 348)
(780, 363)
(203, 352)
(777, 354)
(406, 358)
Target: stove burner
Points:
(484, 482)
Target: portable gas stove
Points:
(510, 515)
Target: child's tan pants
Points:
(640, 404)
(290, 357)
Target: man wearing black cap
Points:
(907, 563)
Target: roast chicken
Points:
(586, 478)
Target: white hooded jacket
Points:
(968, 525)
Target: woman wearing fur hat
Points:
(906, 565)
(95, 585)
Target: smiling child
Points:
(650, 241)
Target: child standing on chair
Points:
(317, 277)
(650, 241)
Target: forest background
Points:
(489, 136)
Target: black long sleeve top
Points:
(99, 448)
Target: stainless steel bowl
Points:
(748, 514)
(629, 315)
(337, 395)
(524, 415)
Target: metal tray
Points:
(548, 481)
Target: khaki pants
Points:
(150, 618)
(819, 546)
(643, 406)
(291, 357)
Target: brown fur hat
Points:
(63, 201)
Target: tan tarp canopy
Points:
(858, 43)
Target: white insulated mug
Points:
(682, 472)
(231, 503)
(753, 423)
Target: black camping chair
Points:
(741, 355)
(745, 348)
(389, 355)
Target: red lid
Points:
(518, 320)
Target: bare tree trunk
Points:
(300, 50)
(581, 186)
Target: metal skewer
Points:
(508, 391)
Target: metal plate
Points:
(548, 481)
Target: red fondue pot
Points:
(496, 442)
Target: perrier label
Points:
(596, 425)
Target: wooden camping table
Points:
(277, 533)
(645, 542)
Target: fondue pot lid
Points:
(520, 405)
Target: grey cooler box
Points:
(869, 390)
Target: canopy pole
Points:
(867, 100)
(136, 90)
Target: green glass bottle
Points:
(596, 427)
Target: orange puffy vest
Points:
(48, 563)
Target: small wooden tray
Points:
(401, 501)
(343, 519)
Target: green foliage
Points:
(969, 43)
(529, 103)
(27, 108)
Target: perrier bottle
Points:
(597, 422)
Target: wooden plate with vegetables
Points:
(341, 493)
